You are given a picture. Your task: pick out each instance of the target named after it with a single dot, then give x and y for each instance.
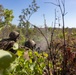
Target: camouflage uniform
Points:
(7, 44)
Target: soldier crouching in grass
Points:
(7, 44)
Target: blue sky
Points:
(47, 9)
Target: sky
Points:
(45, 8)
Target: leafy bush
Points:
(23, 66)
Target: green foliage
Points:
(21, 37)
(60, 35)
(1, 16)
(5, 59)
(8, 16)
(1, 13)
(26, 15)
(22, 66)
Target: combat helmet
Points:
(14, 35)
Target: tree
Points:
(1, 12)
(26, 15)
(1, 15)
(8, 16)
